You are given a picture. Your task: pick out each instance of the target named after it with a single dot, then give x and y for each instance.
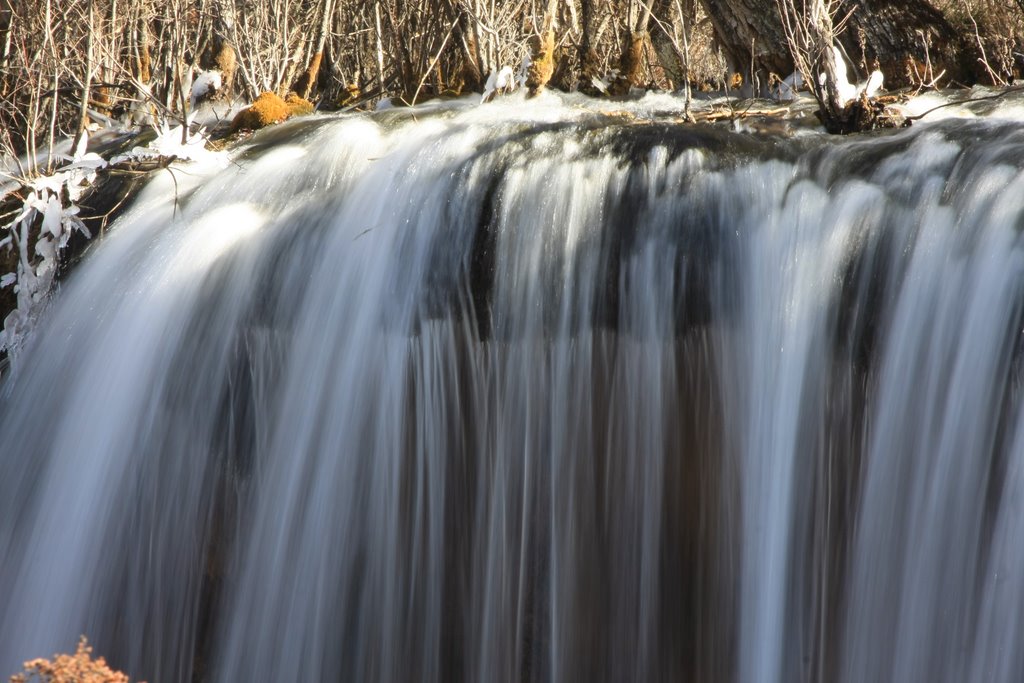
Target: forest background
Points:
(66, 62)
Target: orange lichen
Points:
(266, 110)
(269, 109)
(77, 668)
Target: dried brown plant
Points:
(80, 667)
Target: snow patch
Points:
(205, 85)
(500, 81)
(171, 142)
(33, 278)
(848, 91)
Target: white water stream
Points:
(524, 393)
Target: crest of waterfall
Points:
(530, 393)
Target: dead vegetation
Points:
(66, 63)
(77, 668)
(994, 31)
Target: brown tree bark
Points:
(303, 85)
(219, 54)
(542, 52)
(895, 33)
(83, 107)
(587, 58)
(631, 63)
(664, 27)
(143, 58)
(472, 71)
(6, 21)
(6, 45)
(751, 34)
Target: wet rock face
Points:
(8, 264)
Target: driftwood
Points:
(729, 114)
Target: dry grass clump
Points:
(77, 668)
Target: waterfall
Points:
(534, 393)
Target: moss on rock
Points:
(266, 110)
(631, 71)
(542, 61)
(269, 109)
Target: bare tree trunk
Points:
(469, 44)
(6, 34)
(305, 82)
(225, 58)
(752, 36)
(542, 52)
(671, 30)
(380, 47)
(109, 37)
(895, 36)
(631, 59)
(83, 110)
(631, 62)
(811, 37)
(589, 63)
(750, 33)
(144, 59)
(177, 65)
(666, 36)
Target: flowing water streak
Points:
(526, 393)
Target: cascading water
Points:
(528, 393)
